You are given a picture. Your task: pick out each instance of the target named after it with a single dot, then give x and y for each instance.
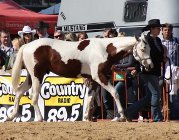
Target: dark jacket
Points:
(157, 54)
(128, 61)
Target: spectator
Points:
(107, 98)
(82, 36)
(94, 110)
(71, 37)
(172, 45)
(151, 78)
(27, 34)
(5, 41)
(121, 34)
(109, 33)
(99, 36)
(132, 67)
(58, 34)
(106, 32)
(6, 46)
(42, 30)
(17, 43)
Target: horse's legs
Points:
(107, 85)
(35, 95)
(115, 95)
(18, 94)
(89, 99)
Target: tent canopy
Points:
(53, 10)
(13, 17)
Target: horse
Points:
(88, 58)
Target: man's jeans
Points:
(108, 100)
(131, 92)
(153, 93)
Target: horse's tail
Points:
(16, 70)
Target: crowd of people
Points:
(161, 49)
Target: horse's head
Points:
(141, 52)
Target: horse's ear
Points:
(137, 38)
(143, 35)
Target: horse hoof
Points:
(8, 119)
(85, 120)
(94, 119)
(38, 120)
(11, 117)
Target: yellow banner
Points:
(55, 91)
(6, 95)
(63, 91)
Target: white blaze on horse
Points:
(93, 57)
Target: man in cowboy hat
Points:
(153, 23)
(42, 28)
(151, 77)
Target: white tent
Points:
(51, 10)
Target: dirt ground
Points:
(101, 130)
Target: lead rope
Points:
(170, 78)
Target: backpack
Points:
(2, 58)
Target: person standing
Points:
(172, 46)
(70, 36)
(6, 47)
(151, 77)
(171, 43)
(6, 44)
(58, 34)
(81, 36)
(27, 34)
(107, 98)
(110, 33)
(42, 29)
(131, 67)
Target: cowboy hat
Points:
(26, 29)
(42, 25)
(152, 23)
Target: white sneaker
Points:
(116, 119)
(140, 119)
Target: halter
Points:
(135, 53)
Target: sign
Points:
(86, 27)
(74, 28)
(119, 75)
(61, 99)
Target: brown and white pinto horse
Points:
(93, 57)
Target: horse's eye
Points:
(142, 50)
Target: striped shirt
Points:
(172, 46)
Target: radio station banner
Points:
(61, 99)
